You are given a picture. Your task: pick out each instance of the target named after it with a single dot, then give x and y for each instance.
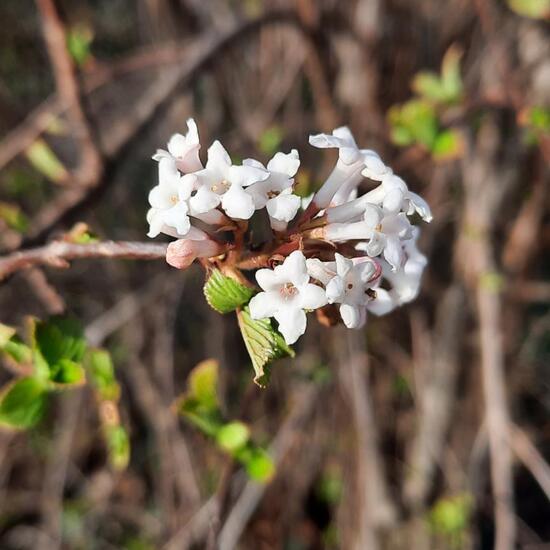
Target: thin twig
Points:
(68, 89)
(57, 254)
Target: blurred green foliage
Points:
(200, 406)
(535, 9)
(418, 121)
(450, 518)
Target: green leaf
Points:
(270, 140)
(102, 374)
(200, 403)
(22, 403)
(233, 436)
(448, 145)
(259, 466)
(42, 157)
(13, 217)
(118, 446)
(60, 338)
(224, 293)
(450, 75)
(67, 373)
(429, 85)
(79, 39)
(264, 344)
(413, 121)
(535, 9)
(451, 516)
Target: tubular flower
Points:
(287, 292)
(275, 192)
(220, 182)
(184, 150)
(352, 249)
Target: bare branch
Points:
(58, 253)
(69, 90)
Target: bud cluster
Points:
(344, 251)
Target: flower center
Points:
(221, 187)
(272, 194)
(174, 199)
(378, 227)
(288, 290)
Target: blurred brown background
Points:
(429, 429)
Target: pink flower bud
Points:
(183, 252)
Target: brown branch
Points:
(68, 88)
(58, 253)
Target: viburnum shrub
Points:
(340, 249)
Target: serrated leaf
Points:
(264, 344)
(118, 446)
(42, 157)
(448, 145)
(13, 217)
(535, 9)
(102, 374)
(22, 403)
(224, 293)
(233, 436)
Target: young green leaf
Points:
(225, 294)
(118, 446)
(22, 403)
(448, 145)
(259, 466)
(42, 158)
(67, 374)
(102, 374)
(13, 217)
(430, 86)
(233, 436)
(263, 343)
(451, 78)
(535, 9)
(60, 338)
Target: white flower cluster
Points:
(376, 265)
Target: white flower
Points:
(406, 281)
(394, 196)
(184, 150)
(349, 284)
(275, 192)
(352, 162)
(384, 231)
(221, 182)
(287, 293)
(169, 201)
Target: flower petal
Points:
(292, 323)
(269, 279)
(312, 297)
(204, 200)
(243, 176)
(294, 269)
(237, 203)
(353, 316)
(285, 163)
(264, 304)
(283, 207)
(336, 290)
